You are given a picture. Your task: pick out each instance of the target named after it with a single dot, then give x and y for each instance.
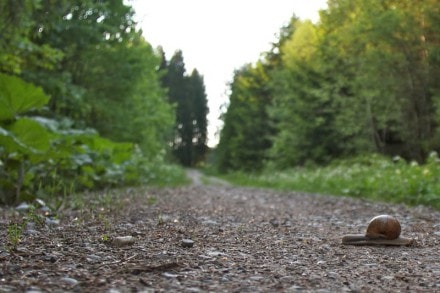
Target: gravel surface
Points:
(218, 238)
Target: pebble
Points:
(22, 207)
(50, 258)
(52, 222)
(256, 278)
(124, 240)
(215, 253)
(169, 275)
(187, 243)
(34, 290)
(93, 258)
(70, 281)
(209, 223)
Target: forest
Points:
(359, 90)
(326, 177)
(348, 105)
(86, 103)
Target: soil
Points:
(242, 240)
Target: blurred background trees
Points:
(82, 101)
(86, 102)
(362, 80)
(187, 93)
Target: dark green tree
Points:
(188, 95)
(196, 90)
(386, 51)
(246, 135)
(100, 74)
(303, 112)
(107, 78)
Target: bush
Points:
(40, 156)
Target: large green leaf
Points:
(18, 96)
(25, 136)
(32, 134)
(11, 144)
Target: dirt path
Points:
(244, 240)
(198, 179)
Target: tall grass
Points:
(373, 176)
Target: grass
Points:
(374, 177)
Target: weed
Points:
(160, 220)
(32, 216)
(105, 238)
(105, 221)
(151, 200)
(15, 232)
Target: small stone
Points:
(209, 223)
(70, 281)
(124, 240)
(389, 278)
(50, 258)
(215, 253)
(256, 278)
(23, 207)
(170, 276)
(40, 202)
(52, 222)
(31, 232)
(93, 258)
(33, 291)
(187, 243)
(274, 222)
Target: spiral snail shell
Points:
(383, 229)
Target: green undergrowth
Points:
(374, 177)
(44, 157)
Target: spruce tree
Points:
(188, 95)
(196, 90)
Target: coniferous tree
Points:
(196, 90)
(188, 95)
(245, 137)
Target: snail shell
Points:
(383, 227)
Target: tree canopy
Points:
(82, 105)
(361, 80)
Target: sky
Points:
(217, 37)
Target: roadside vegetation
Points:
(87, 104)
(374, 177)
(347, 105)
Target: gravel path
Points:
(244, 240)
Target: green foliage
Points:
(304, 114)
(17, 97)
(15, 232)
(247, 130)
(17, 22)
(362, 80)
(40, 156)
(373, 176)
(101, 76)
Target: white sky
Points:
(218, 36)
